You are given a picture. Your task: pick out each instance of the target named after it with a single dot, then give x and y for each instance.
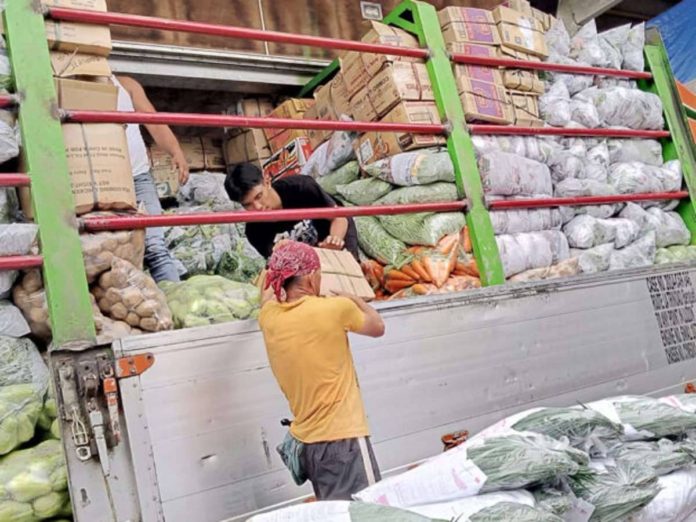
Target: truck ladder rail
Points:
(14, 179)
(514, 204)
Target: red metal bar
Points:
(547, 66)
(222, 120)
(8, 100)
(20, 262)
(164, 24)
(98, 224)
(562, 131)
(14, 180)
(514, 204)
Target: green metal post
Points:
(67, 293)
(459, 144)
(680, 144)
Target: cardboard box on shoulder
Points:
(520, 32)
(485, 101)
(526, 109)
(340, 272)
(248, 146)
(468, 25)
(164, 172)
(289, 160)
(397, 82)
(79, 95)
(293, 109)
(373, 146)
(71, 65)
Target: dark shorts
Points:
(338, 469)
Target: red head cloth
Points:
(289, 260)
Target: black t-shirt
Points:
(299, 192)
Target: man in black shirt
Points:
(245, 184)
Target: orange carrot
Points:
(423, 274)
(410, 272)
(466, 240)
(447, 243)
(395, 274)
(420, 289)
(394, 285)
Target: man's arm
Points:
(162, 134)
(373, 325)
(339, 226)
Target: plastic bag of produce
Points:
(662, 456)
(566, 268)
(565, 164)
(612, 42)
(242, 263)
(637, 178)
(525, 220)
(597, 167)
(364, 191)
(331, 155)
(684, 401)
(553, 500)
(34, 483)
(5, 71)
(574, 82)
(206, 188)
(585, 46)
(506, 174)
(573, 188)
(557, 38)
(204, 300)
(98, 250)
(9, 205)
(676, 254)
(642, 151)
(675, 501)
(632, 49)
(595, 259)
(554, 105)
(632, 108)
(480, 465)
(16, 239)
(637, 254)
(584, 112)
(433, 193)
(669, 227)
(616, 491)
(586, 231)
(340, 511)
(30, 297)
(48, 417)
(344, 175)
(522, 252)
(645, 418)
(377, 242)
(423, 228)
(12, 322)
(420, 167)
(127, 294)
(465, 508)
(530, 147)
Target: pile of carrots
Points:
(447, 267)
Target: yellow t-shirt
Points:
(307, 346)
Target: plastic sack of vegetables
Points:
(675, 501)
(422, 228)
(553, 500)
(480, 465)
(642, 151)
(554, 105)
(616, 491)
(332, 155)
(23, 384)
(669, 227)
(575, 83)
(9, 143)
(645, 418)
(662, 456)
(637, 254)
(675, 254)
(632, 108)
(340, 511)
(684, 401)
(565, 164)
(530, 147)
(12, 322)
(522, 252)
(525, 220)
(566, 268)
(557, 38)
(207, 188)
(204, 300)
(594, 260)
(632, 49)
(364, 191)
(16, 239)
(508, 505)
(344, 175)
(5, 71)
(584, 112)
(585, 46)
(432, 193)
(636, 178)
(241, 263)
(48, 417)
(377, 242)
(586, 231)
(34, 484)
(505, 174)
(612, 42)
(98, 250)
(127, 294)
(583, 187)
(420, 167)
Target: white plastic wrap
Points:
(669, 227)
(331, 155)
(530, 147)
(12, 322)
(557, 38)
(675, 501)
(572, 187)
(586, 231)
(522, 252)
(554, 105)
(608, 81)
(565, 165)
(638, 178)
(464, 508)
(643, 151)
(506, 174)
(595, 259)
(585, 113)
(585, 46)
(632, 49)
(9, 146)
(638, 254)
(205, 188)
(632, 108)
(597, 167)
(525, 220)
(574, 82)
(612, 42)
(16, 239)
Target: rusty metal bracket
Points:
(133, 365)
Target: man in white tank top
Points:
(132, 97)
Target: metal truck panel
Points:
(208, 411)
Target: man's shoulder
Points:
(298, 181)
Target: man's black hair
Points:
(240, 179)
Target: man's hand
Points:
(182, 166)
(332, 243)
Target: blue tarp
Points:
(678, 29)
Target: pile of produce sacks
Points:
(626, 458)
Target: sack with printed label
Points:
(420, 167)
(505, 174)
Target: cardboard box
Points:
(521, 6)
(316, 137)
(518, 79)
(289, 160)
(397, 82)
(80, 38)
(373, 146)
(70, 65)
(353, 71)
(340, 272)
(99, 166)
(164, 172)
(475, 72)
(520, 32)
(387, 35)
(202, 153)
(85, 5)
(453, 14)
(79, 95)
(485, 101)
(545, 19)
(294, 109)
(362, 107)
(469, 32)
(212, 151)
(252, 107)
(331, 100)
(526, 109)
(248, 146)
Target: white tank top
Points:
(140, 163)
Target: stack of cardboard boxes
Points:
(97, 154)
(248, 145)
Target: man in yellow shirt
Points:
(307, 344)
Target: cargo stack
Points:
(97, 153)
(247, 145)
(290, 148)
(521, 29)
